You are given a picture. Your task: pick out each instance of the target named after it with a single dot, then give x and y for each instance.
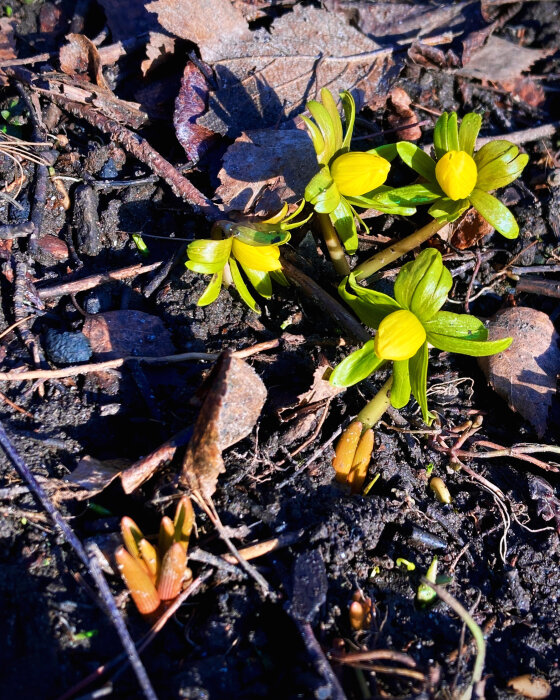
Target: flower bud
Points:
(456, 174)
(357, 173)
(399, 336)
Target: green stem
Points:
(393, 252)
(372, 411)
(336, 251)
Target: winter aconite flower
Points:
(253, 249)
(406, 324)
(461, 178)
(346, 179)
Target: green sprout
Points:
(460, 178)
(346, 179)
(252, 247)
(406, 324)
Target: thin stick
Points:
(525, 135)
(395, 251)
(88, 559)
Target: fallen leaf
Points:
(158, 49)
(530, 686)
(400, 114)
(80, 57)
(548, 506)
(525, 374)
(527, 90)
(266, 76)
(94, 475)
(191, 102)
(265, 168)
(432, 57)
(7, 42)
(469, 229)
(501, 60)
(231, 408)
(122, 333)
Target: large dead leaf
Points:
(525, 374)
(267, 76)
(501, 60)
(265, 168)
(231, 408)
(469, 229)
(80, 57)
(94, 475)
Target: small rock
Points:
(109, 170)
(66, 348)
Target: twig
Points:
(471, 283)
(311, 459)
(532, 285)
(88, 559)
(93, 281)
(525, 135)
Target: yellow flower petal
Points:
(399, 336)
(456, 174)
(357, 173)
(264, 257)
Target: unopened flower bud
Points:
(399, 336)
(456, 174)
(356, 173)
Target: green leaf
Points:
(422, 286)
(254, 237)
(380, 200)
(400, 388)
(452, 133)
(242, 287)
(501, 171)
(205, 268)
(260, 281)
(462, 346)
(370, 306)
(212, 290)
(457, 326)
(330, 105)
(440, 136)
(315, 135)
(417, 160)
(449, 210)
(490, 151)
(279, 277)
(495, 213)
(468, 132)
(322, 193)
(349, 107)
(324, 122)
(357, 366)
(419, 380)
(209, 251)
(414, 194)
(343, 220)
(387, 151)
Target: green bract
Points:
(346, 179)
(461, 178)
(406, 324)
(252, 247)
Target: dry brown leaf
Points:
(80, 57)
(400, 114)
(501, 60)
(265, 168)
(128, 332)
(266, 76)
(530, 686)
(7, 42)
(469, 229)
(158, 49)
(321, 388)
(231, 408)
(94, 475)
(525, 374)
(527, 90)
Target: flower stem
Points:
(336, 251)
(374, 409)
(393, 252)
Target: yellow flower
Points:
(399, 336)
(264, 258)
(456, 174)
(356, 173)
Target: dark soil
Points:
(227, 641)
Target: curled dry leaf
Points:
(400, 114)
(191, 103)
(469, 229)
(530, 686)
(232, 406)
(80, 57)
(525, 374)
(501, 60)
(264, 168)
(94, 475)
